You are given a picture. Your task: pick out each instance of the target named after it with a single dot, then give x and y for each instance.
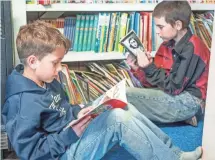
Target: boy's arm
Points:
(140, 75)
(188, 70)
(137, 71)
(32, 142)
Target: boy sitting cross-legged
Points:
(176, 80)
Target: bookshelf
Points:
(21, 11)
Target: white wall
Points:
(18, 19)
(209, 122)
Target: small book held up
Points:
(113, 98)
(132, 43)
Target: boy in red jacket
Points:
(176, 80)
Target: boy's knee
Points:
(120, 115)
(130, 90)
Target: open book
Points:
(113, 98)
(132, 43)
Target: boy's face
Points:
(165, 30)
(48, 67)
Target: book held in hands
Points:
(132, 43)
(113, 98)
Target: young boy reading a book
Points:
(176, 81)
(36, 111)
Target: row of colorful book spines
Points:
(103, 46)
(48, 2)
(69, 26)
(60, 22)
(89, 33)
(84, 44)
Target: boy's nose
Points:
(157, 31)
(59, 67)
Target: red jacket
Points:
(183, 67)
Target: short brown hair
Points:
(173, 11)
(39, 39)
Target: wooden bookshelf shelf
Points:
(65, 7)
(92, 56)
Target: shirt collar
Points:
(179, 46)
(183, 41)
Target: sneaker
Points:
(194, 155)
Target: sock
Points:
(192, 121)
(194, 155)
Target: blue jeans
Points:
(161, 107)
(128, 128)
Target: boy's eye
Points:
(54, 63)
(160, 27)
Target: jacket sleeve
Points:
(29, 142)
(140, 75)
(186, 70)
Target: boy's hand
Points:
(81, 126)
(144, 59)
(131, 61)
(85, 111)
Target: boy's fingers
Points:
(84, 121)
(85, 125)
(148, 54)
(87, 109)
(84, 111)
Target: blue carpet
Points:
(184, 136)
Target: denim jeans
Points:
(161, 107)
(128, 128)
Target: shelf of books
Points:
(80, 7)
(96, 36)
(95, 28)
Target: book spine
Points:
(94, 32)
(89, 40)
(116, 35)
(103, 28)
(86, 33)
(111, 32)
(80, 39)
(107, 22)
(70, 36)
(77, 30)
(122, 29)
(99, 30)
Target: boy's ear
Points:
(178, 25)
(32, 61)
